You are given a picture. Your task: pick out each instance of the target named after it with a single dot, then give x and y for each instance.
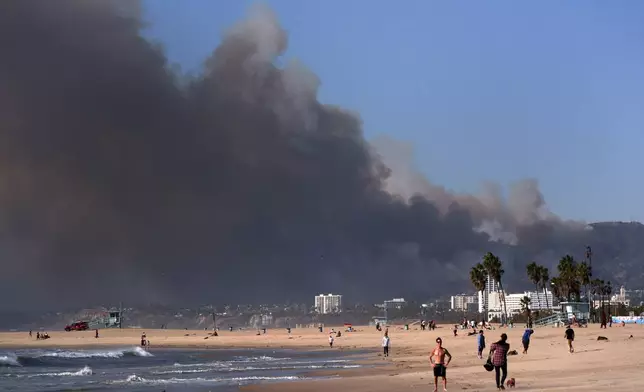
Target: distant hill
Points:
(617, 254)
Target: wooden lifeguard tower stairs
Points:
(579, 311)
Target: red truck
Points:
(78, 326)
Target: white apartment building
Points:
(617, 299)
(395, 303)
(513, 302)
(330, 303)
(491, 286)
(463, 302)
(540, 300)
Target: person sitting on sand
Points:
(385, 345)
(570, 337)
(437, 360)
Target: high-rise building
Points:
(491, 286)
(330, 303)
(463, 302)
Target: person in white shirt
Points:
(331, 341)
(385, 344)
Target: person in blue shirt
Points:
(481, 343)
(526, 339)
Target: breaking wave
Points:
(9, 360)
(86, 371)
(134, 351)
(39, 358)
(210, 368)
(134, 379)
(262, 358)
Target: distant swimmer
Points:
(438, 362)
(570, 337)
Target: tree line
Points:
(574, 278)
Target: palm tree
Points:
(478, 277)
(558, 289)
(525, 308)
(494, 268)
(597, 288)
(534, 274)
(569, 276)
(544, 279)
(607, 290)
(584, 273)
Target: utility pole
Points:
(214, 318)
(120, 315)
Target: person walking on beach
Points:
(570, 337)
(481, 344)
(437, 360)
(331, 340)
(385, 345)
(525, 340)
(499, 357)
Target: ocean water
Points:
(134, 369)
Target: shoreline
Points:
(547, 366)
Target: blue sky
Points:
(494, 90)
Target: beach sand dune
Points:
(615, 363)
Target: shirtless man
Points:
(437, 360)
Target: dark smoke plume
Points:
(119, 180)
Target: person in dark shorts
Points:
(438, 361)
(499, 358)
(570, 337)
(525, 340)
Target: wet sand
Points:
(616, 363)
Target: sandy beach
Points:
(615, 363)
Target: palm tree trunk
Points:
(536, 286)
(505, 309)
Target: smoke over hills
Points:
(120, 180)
